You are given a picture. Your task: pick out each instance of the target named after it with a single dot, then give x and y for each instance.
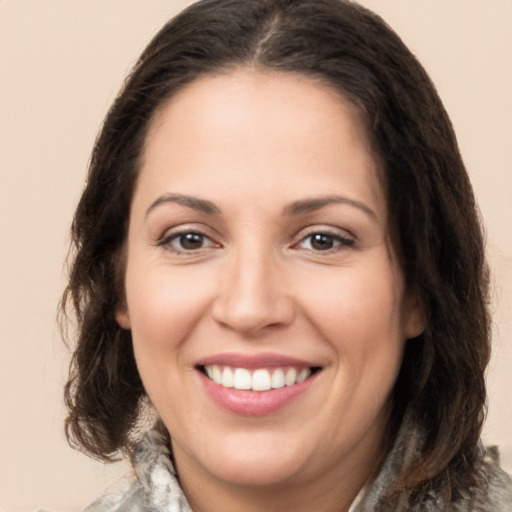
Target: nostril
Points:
(250, 314)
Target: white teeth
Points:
(227, 377)
(242, 379)
(290, 377)
(217, 377)
(261, 379)
(278, 379)
(303, 374)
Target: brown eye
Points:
(187, 241)
(324, 241)
(190, 241)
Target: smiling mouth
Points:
(258, 379)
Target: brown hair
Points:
(431, 204)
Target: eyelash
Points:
(168, 240)
(335, 239)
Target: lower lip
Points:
(255, 403)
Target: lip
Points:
(253, 361)
(254, 403)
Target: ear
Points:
(123, 317)
(415, 321)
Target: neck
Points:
(304, 498)
(333, 491)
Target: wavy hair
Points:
(432, 210)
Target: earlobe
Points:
(415, 330)
(416, 322)
(123, 318)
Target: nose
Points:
(253, 295)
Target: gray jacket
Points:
(157, 489)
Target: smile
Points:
(258, 384)
(259, 379)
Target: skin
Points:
(252, 144)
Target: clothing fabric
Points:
(156, 488)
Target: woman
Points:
(278, 251)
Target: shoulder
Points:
(496, 495)
(490, 491)
(156, 486)
(132, 500)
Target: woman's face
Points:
(259, 257)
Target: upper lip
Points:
(252, 361)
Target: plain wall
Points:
(61, 64)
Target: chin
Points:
(254, 460)
(257, 470)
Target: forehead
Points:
(258, 96)
(248, 122)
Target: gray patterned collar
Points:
(157, 487)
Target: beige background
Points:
(61, 63)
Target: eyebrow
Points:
(195, 203)
(317, 203)
(296, 208)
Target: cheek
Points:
(164, 305)
(359, 315)
(356, 305)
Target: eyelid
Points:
(344, 238)
(172, 234)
